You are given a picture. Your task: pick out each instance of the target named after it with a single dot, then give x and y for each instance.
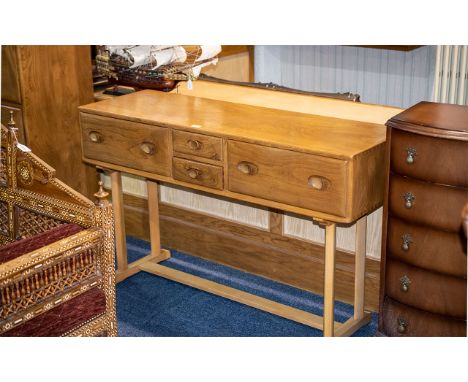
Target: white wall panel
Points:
(379, 76)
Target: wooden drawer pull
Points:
(194, 144)
(318, 182)
(148, 148)
(193, 173)
(95, 137)
(247, 168)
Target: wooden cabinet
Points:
(43, 86)
(423, 277)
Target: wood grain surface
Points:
(328, 136)
(54, 81)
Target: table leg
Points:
(360, 268)
(153, 209)
(118, 206)
(329, 285)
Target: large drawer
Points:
(428, 248)
(436, 160)
(297, 179)
(427, 203)
(425, 290)
(402, 320)
(130, 144)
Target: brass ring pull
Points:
(247, 168)
(405, 283)
(194, 144)
(193, 173)
(148, 148)
(95, 137)
(402, 325)
(318, 182)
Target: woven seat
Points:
(56, 252)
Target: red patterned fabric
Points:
(21, 247)
(64, 317)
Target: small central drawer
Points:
(298, 179)
(130, 144)
(198, 173)
(197, 144)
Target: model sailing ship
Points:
(157, 67)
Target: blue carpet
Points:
(148, 305)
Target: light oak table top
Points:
(316, 134)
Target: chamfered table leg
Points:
(329, 285)
(119, 220)
(153, 209)
(360, 268)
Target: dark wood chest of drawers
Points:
(424, 266)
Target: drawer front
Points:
(130, 144)
(297, 179)
(197, 144)
(427, 203)
(425, 290)
(198, 173)
(398, 320)
(433, 159)
(432, 249)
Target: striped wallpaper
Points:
(379, 76)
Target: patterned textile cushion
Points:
(23, 246)
(64, 317)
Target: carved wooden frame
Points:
(28, 183)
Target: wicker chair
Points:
(56, 252)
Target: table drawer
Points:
(428, 248)
(198, 173)
(297, 179)
(401, 320)
(425, 290)
(436, 160)
(427, 203)
(130, 144)
(197, 144)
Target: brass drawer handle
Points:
(247, 168)
(194, 144)
(318, 182)
(409, 199)
(405, 283)
(95, 137)
(402, 325)
(148, 148)
(193, 173)
(411, 153)
(407, 240)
